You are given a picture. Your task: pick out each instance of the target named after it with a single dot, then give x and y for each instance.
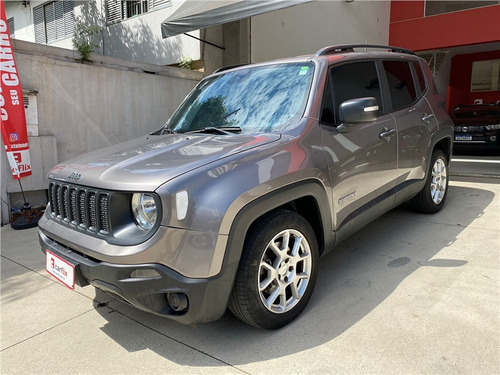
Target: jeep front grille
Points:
(80, 207)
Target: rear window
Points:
(401, 85)
(420, 76)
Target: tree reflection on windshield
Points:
(256, 99)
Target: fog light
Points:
(177, 301)
(493, 138)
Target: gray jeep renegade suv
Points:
(260, 171)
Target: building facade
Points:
(460, 39)
(130, 30)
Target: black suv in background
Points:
(477, 126)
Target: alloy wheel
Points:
(284, 271)
(438, 181)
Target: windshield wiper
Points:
(232, 113)
(163, 130)
(166, 130)
(224, 130)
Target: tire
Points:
(274, 282)
(432, 197)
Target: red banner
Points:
(13, 119)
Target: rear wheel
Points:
(431, 198)
(277, 271)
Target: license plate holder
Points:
(61, 269)
(463, 137)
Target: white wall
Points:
(136, 39)
(140, 39)
(89, 106)
(306, 28)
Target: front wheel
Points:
(277, 271)
(431, 198)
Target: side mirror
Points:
(358, 110)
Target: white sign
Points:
(60, 269)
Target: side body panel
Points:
(362, 166)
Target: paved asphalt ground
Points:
(408, 294)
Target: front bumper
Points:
(489, 141)
(206, 297)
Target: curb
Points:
(472, 175)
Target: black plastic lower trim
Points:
(207, 298)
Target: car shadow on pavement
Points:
(354, 281)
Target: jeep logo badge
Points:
(74, 176)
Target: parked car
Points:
(477, 126)
(260, 171)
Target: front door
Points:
(362, 161)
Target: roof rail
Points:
(350, 48)
(229, 67)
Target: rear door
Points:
(414, 117)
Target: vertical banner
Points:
(12, 117)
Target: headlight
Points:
(493, 127)
(145, 210)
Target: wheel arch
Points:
(445, 145)
(442, 140)
(308, 198)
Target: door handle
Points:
(387, 134)
(427, 118)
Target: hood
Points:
(482, 114)
(146, 163)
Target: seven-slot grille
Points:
(80, 207)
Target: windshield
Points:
(255, 99)
(471, 113)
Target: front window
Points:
(10, 23)
(118, 10)
(352, 81)
(136, 7)
(433, 7)
(254, 99)
(485, 76)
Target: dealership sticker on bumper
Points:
(60, 269)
